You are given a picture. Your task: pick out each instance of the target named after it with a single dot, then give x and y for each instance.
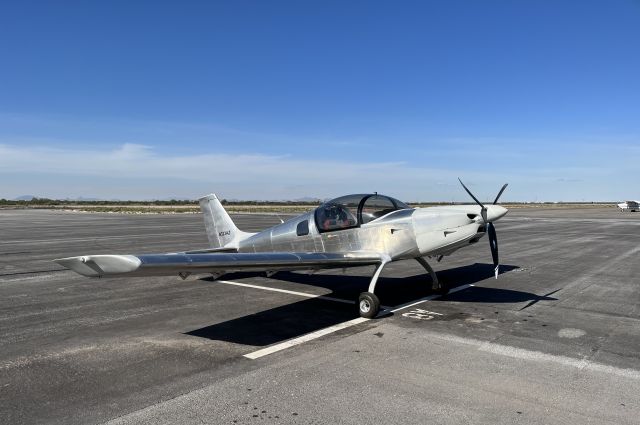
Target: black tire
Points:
(368, 305)
(442, 290)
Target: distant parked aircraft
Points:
(629, 206)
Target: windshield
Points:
(353, 210)
(375, 207)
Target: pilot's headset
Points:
(332, 212)
(327, 211)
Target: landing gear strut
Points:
(368, 302)
(436, 286)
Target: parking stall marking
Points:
(334, 328)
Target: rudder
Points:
(221, 230)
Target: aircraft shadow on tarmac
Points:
(295, 319)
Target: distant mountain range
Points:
(168, 198)
(32, 197)
(307, 199)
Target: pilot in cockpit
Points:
(335, 217)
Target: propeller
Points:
(491, 230)
(495, 201)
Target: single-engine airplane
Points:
(350, 231)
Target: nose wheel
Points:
(436, 286)
(368, 305)
(442, 290)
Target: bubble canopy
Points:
(351, 211)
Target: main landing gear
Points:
(368, 305)
(368, 302)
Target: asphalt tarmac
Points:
(556, 339)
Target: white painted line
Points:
(285, 291)
(537, 356)
(304, 338)
(322, 332)
(425, 299)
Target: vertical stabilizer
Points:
(221, 230)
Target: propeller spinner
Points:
(491, 230)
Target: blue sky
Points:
(273, 100)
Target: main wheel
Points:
(368, 305)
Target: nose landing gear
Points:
(436, 286)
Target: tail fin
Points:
(221, 230)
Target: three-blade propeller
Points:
(491, 230)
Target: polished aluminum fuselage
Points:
(401, 234)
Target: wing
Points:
(184, 264)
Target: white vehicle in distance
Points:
(629, 206)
